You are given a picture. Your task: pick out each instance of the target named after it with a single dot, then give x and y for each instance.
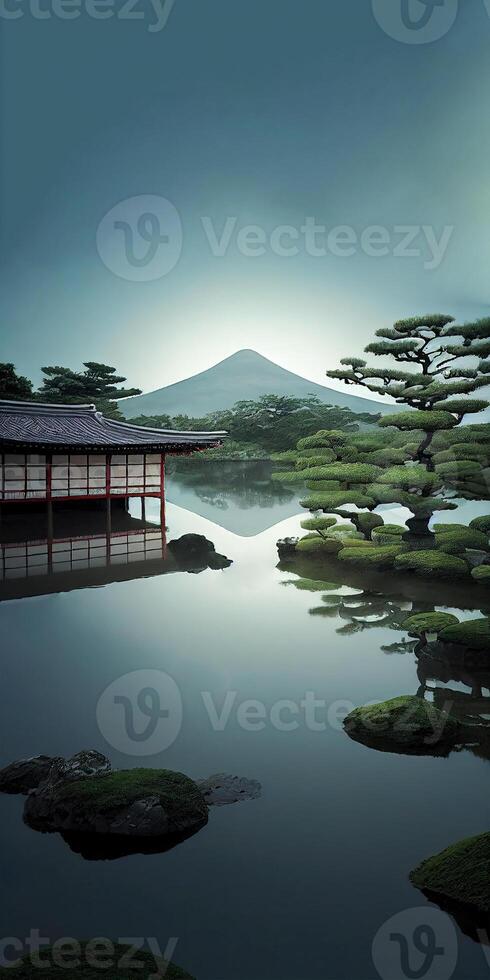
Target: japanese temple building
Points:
(72, 452)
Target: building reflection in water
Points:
(88, 547)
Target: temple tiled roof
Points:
(33, 426)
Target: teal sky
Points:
(267, 112)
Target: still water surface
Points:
(293, 886)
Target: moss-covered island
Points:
(461, 872)
(406, 724)
(92, 960)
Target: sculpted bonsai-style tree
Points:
(446, 365)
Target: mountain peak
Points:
(244, 375)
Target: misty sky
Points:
(265, 113)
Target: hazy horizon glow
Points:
(266, 114)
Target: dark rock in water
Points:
(286, 547)
(26, 774)
(221, 789)
(194, 553)
(136, 803)
(114, 963)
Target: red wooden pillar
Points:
(108, 527)
(162, 505)
(49, 506)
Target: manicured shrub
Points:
(432, 564)
(318, 545)
(458, 540)
(481, 574)
(318, 523)
(331, 501)
(367, 522)
(388, 533)
(481, 523)
(433, 622)
(347, 473)
(474, 634)
(427, 421)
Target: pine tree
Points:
(448, 363)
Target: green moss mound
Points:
(93, 963)
(319, 546)
(481, 524)
(376, 557)
(407, 723)
(481, 574)
(174, 791)
(432, 564)
(461, 538)
(367, 522)
(429, 622)
(473, 634)
(461, 872)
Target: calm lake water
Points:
(295, 885)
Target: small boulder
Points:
(26, 774)
(221, 789)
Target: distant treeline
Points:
(256, 428)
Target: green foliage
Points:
(481, 574)
(324, 438)
(389, 533)
(432, 564)
(463, 406)
(481, 523)
(461, 872)
(97, 385)
(367, 522)
(473, 634)
(330, 502)
(12, 385)
(426, 421)
(346, 473)
(319, 545)
(411, 478)
(432, 622)
(306, 462)
(318, 486)
(318, 523)
(455, 542)
(381, 558)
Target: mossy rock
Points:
(404, 724)
(481, 524)
(93, 963)
(461, 872)
(367, 522)
(139, 803)
(434, 622)
(376, 557)
(319, 546)
(481, 574)
(432, 564)
(474, 634)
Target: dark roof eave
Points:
(131, 448)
